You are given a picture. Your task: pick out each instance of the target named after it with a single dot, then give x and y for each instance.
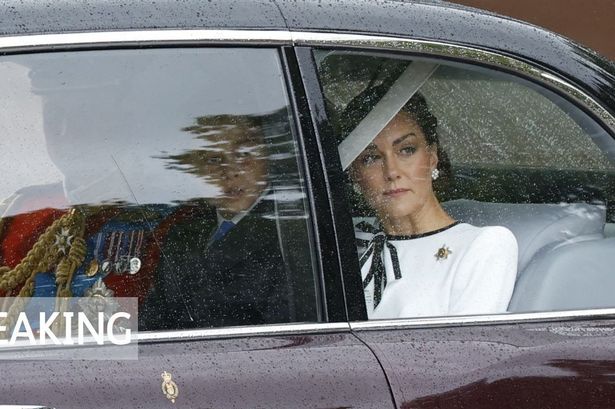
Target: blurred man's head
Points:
(233, 157)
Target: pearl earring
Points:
(435, 174)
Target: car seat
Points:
(565, 261)
(570, 277)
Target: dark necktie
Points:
(223, 229)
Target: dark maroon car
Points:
(185, 155)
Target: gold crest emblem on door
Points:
(169, 388)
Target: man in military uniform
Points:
(62, 239)
(222, 263)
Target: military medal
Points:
(133, 262)
(100, 299)
(169, 388)
(92, 269)
(106, 267)
(134, 265)
(122, 252)
(443, 253)
(94, 266)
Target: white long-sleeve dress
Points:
(458, 270)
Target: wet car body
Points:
(529, 360)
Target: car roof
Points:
(428, 20)
(60, 16)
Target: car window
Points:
(171, 175)
(471, 191)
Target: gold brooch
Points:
(169, 388)
(443, 253)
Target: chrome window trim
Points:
(471, 320)
(145, 337)
(143, 37)
(24, 407)
(44, 42)
(237, 332)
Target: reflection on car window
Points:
(167, 175)
(471, 191)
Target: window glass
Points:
(175, 172)
(471, 191)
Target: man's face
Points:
(235, 160)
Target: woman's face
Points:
(394, 171)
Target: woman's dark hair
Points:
(416, 107)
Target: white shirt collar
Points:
(237, 218)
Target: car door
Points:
(528, 152)
(141, 156)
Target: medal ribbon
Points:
(377, 270)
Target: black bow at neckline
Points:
(377, 270)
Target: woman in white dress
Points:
(419, 261)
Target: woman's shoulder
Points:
(488, 236)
